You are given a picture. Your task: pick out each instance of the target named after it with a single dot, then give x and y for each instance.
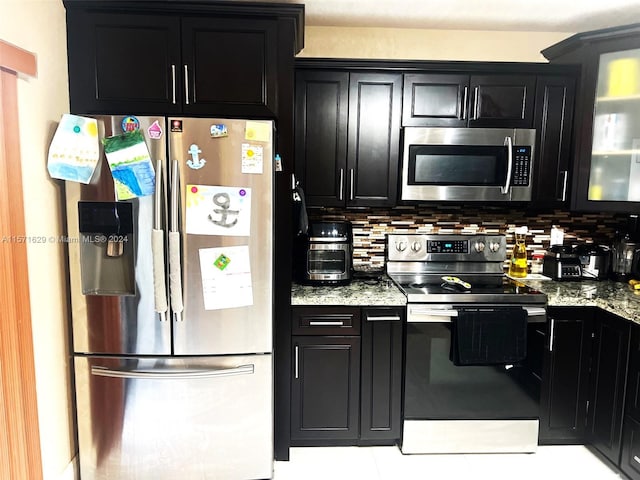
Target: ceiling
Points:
(510, 15)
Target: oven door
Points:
(467, 409)
(467, 164)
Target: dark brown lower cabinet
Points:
(381, 376)
(608, 383)
(346, 380)
(325, 390)
(565, 386)
(630, 457)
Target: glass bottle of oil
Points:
(518, 264)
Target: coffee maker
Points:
(625, 252)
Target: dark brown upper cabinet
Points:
(492, 100)
(187, 57)
(606, 153)
(555, 97)
(230, 66)
(348, 137)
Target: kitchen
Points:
(478, 46)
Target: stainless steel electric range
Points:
(474, 346)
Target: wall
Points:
(39, 27)
(413, 44)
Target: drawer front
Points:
(326, 321)
(630, 459)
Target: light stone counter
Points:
(614, 297)
(361, 293)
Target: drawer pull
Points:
(635, 457)
(383, 318)
(316, 323)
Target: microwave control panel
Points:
(521, 166)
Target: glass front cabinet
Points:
(606, 163)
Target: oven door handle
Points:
(421, 314)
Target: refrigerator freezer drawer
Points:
(168, 418)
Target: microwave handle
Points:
(507, 184)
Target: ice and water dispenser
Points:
(107, 253)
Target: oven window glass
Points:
(327, 261)
(436, 389)
(457, 165)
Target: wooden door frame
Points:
(20, 455)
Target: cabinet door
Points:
(630, 457)
(381, 375)
(632, 407)
(325, 390)
(553, 124)
(435, 100)
(229, 66)
(565, 377)
(608, 381)
(608, 152)
(374, 138)
(321, 136)
(123, 63)
(502, 101)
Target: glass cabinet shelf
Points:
(616, 152)
(614, 173)
(625, 98)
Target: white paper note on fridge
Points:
(226, 277)
(218, 210)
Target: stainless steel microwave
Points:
(467, 164)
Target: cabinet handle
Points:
(636, 459)
(173, 83)
(318, 323)
(351, 175)
(565, 174)
(464, 103)
(296, 364)
(186, 84)
(475, 103)
(382, 318)
(341, 189)
(552, 326)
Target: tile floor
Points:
(387, 463)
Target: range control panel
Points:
(521, 166)
(443, 248)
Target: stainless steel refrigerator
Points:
(172, 306)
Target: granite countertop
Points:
(360, 292)
(614, 297)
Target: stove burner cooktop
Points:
(505, 290)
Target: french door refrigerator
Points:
(172, 306)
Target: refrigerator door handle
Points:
(175, 269)
(157, 250)
(171, 373)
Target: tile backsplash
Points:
(371, 225)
